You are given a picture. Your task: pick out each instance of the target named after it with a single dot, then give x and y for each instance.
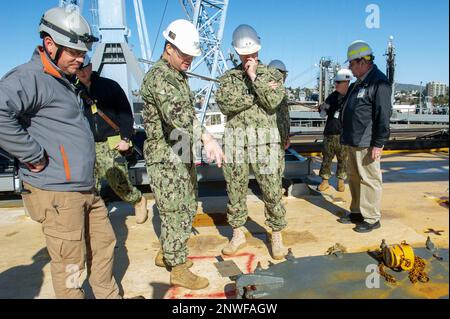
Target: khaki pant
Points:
(365, 181)
(77, 231)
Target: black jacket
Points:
(334, 125)
(367, 111)
(111, 100)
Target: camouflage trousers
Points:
(268, 172)
(112, 166)
(333, 147)
(175, 190)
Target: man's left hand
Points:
(376, 152)
(123, 146)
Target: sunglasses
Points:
(74, 53)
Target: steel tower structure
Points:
(209, 16)
(328, 70)
(112, 56)
(114, 59)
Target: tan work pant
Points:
(77, 231)
(365, 181)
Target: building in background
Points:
(436, 89)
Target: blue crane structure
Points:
(209, 16)
(113, 57)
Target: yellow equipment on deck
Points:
(399, 256)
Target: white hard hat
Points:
(68, 28)
(183, 34)
(246, 40)
(277, 64)
(358, 49)
(343, 75)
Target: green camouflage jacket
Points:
(168, 109)
(251, 105)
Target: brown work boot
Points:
(341, 185)
(237, 242)
(324, 185)
(278, 250)
(183, 277)
(159, 260)
(140, 210)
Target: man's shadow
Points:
(321, 199)
(220, 218)
(25, 281)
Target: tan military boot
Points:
(278, 250)
(324, 185)
(237, 242)
(159, 260)
(341, 185)
(183, 277)
(140, 210)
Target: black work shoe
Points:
(365, 227)
(352, 218)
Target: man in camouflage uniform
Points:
(109, 113)
(169, 117)
(332, 133)
(250, 95)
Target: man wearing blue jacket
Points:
(366, 129)
(42, 124)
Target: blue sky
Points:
(296, 31)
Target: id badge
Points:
(94, 108)
(336, 114)
(361, 93)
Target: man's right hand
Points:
(250, 68)
(213, 150)
(38, 167)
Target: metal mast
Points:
(113, 57)
(328, 69)
(390, 65)
(73, 3)
(146, 51)
(209, 17)
(94, 17)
